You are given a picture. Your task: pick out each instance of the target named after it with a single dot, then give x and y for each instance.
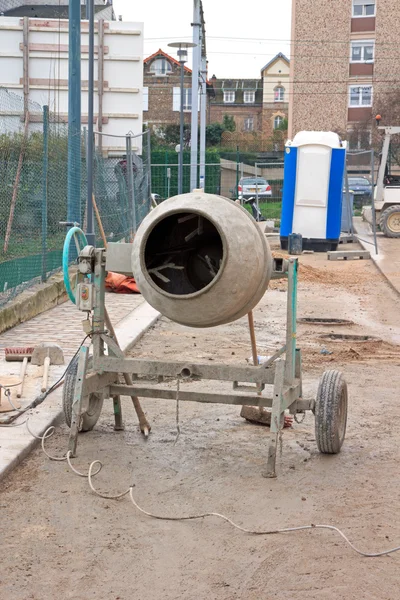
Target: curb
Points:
(20, 443)
(374, 257)
(33, 302)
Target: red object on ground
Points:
(121, 284)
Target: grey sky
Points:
(266, 21)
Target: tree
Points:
(283, 126)
(169, 135)
(214, 133)
(228, 123)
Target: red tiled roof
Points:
(167, 56)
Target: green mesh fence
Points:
(30, 248)
(164, 174)
(34, 193)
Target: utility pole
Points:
(203, 117)
(182, 57)
(74, 113)
(195, 95)
(203, 101)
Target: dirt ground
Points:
(61, 541)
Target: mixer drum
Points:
(201, 260)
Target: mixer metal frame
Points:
(282, 371)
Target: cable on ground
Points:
(50, 431)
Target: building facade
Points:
(257, 105)
(162, 92)
(238, 98)
(276, 93)
(344, 58)
(52, 9)
(34, 66)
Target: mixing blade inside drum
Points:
(183, 253)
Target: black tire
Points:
(90, 418)
(331, 412)
(389, 221)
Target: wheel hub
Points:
(393, 222)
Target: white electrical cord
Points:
(50, 431)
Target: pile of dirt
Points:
(325, 276)
(355, 352)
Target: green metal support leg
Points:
(277, 418)
(118, 422)
(78, 405)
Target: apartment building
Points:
(53, 9)
(344, 63)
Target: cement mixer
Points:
(201, 260)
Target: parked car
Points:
(252, 186)
(361, 186)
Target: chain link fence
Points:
(223, 177)
(122, 186)
(34, 192)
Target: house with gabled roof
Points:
(276, 93)
(161, 91)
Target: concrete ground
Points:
(59, 540)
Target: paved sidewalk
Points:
(388, 258)
(63, 324)
(131, 316)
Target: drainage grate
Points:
(320, 321)
(337, 337)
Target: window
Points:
(279, 94)
(249, 124)
(249, 97)
(278, 120)
(359, 140)
(145, 98)
(362, 51)
(364, 8)
(360, 95)
(229, 97)
(187, 99)
(160, 66)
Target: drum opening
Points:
(183, 253)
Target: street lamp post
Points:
(182, 57)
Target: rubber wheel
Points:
(389, 221)
(331, 412)
(89, 419)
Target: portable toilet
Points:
(312, 189)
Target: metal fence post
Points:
(44, 194)
(373, 199)
(129, 176)
(148, 133)
(74, 113)
(168, 182)
(257, 199)
(237, 171)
